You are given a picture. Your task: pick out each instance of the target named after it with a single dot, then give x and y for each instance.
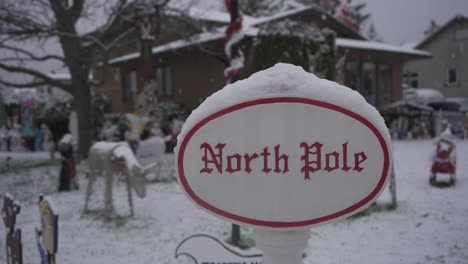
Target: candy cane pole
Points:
(234, 35)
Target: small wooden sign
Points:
(14, 249)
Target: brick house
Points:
(189, 70)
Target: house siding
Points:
(194, 76)
(446, 52)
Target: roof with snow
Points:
(402, 104)
(377, 46)
(252, 32)
(222, 16)
(425, 93)
(455, 19)
(174, 45)
(250, 28)
(215, 11)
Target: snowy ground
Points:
(430, 224)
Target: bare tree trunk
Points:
(84, 110)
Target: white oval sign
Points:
(283, 162)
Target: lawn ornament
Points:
(151, 150)
(47, 236)
(444, 160)
(116, 158)
(68, 180)
(109, 132)
(136, 126)
(14, 248)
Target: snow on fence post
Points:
(270, 152)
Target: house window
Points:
(129, 87)
(352, 75)
(411, 79)
(368, 82)
(164, 81)
(385, 84)
(452, 76)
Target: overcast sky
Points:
(404, 21)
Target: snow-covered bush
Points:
(298, 43)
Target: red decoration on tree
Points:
(347, 15)
(234, 35)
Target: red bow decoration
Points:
(119, 163)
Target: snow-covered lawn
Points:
(430, 224)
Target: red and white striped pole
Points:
(234, 35)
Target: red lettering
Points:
(335, 156)
(230, 168)
(315, 149)
(358, 159)
(248, 159)
(283, 158)
(210, 157)
(345, 157)
(265, 153)
(311, 160)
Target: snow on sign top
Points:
(283, 149)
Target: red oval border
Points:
(274, 224)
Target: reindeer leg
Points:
(108, 206)
(89, 189)
(129, 194)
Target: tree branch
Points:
(30, 55)
(22, 85)
(36, 74)
(19, 21)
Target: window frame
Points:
(455, 82)
(384, 89)
(163, 76)
(371, 93)
(411, 79)
(353, 74)
(129, 93)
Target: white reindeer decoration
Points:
(110, 158)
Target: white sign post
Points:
(283, 151)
